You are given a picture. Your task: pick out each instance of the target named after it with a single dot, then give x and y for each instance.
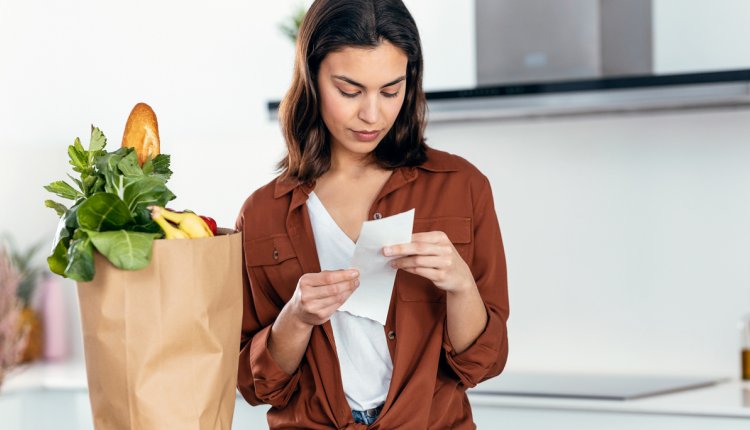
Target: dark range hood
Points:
(593, 96)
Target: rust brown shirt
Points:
(429, 382)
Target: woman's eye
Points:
(345, 94)
(391, 95)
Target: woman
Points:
(353, 121)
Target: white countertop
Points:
(46, 376)
(725, 399)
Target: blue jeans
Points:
(367, 417)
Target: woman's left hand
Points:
(433, 256)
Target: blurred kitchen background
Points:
(623, 198)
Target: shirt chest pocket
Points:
(275, 257)
(415, 288)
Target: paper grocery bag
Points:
(162, 343)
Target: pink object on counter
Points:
(54, 319)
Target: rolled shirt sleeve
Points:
(487, 355)
(260, 379)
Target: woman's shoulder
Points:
(263, 207)
(439, 161)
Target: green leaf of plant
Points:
(63, 189)
(161, 167)
(80, 258)
(58, 207)
(144, 223)
(98, 185)
(77, 158)
(102, 212)
(129, 166)
(107, 166)
(98, 140)
(58, 261)
(79, 183)
(78, 146)
(148, 166)
(127, 250)
(102, 161)
(68, 223)
(71, 217)
(146, 191)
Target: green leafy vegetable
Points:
(58, 261)
(125, 249)
(103, 212)
(109, 213)
(146, 191)
(80, 258)
(58, 207)
(161, 167)
(64, 190)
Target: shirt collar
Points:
(437, 161)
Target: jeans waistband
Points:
(372, 412)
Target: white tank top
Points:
(361, 346)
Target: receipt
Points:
(376, 276)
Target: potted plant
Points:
(29, 321)
(290, 27)
(12, 341)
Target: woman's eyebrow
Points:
(357, 84)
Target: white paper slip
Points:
(376, 276)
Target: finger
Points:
(332, 307)
(328, 277)
(433, 275)
(436, 262)
(333, 301)
(430, 237)
(417, 248)
(312, 293)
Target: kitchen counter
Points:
(725, 399)
(46, 376)
(725, 405)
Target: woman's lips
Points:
(364, 136)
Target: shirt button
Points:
(275, 254)
(391, 335)
(377, 215)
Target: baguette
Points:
(142, 132)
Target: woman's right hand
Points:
(316, 298)
(319, 295)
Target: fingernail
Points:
(393, 264)
(387, 250)
(353, 274)
(356, 283)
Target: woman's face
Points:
(361, 90)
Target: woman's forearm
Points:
(288, 340)
(467, 317)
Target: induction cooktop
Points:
(589, 386)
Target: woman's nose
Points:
(369, 110)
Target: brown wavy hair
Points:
(332, 25)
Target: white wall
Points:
(700, 35)
(626, 236)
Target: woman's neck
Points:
(351, 165)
